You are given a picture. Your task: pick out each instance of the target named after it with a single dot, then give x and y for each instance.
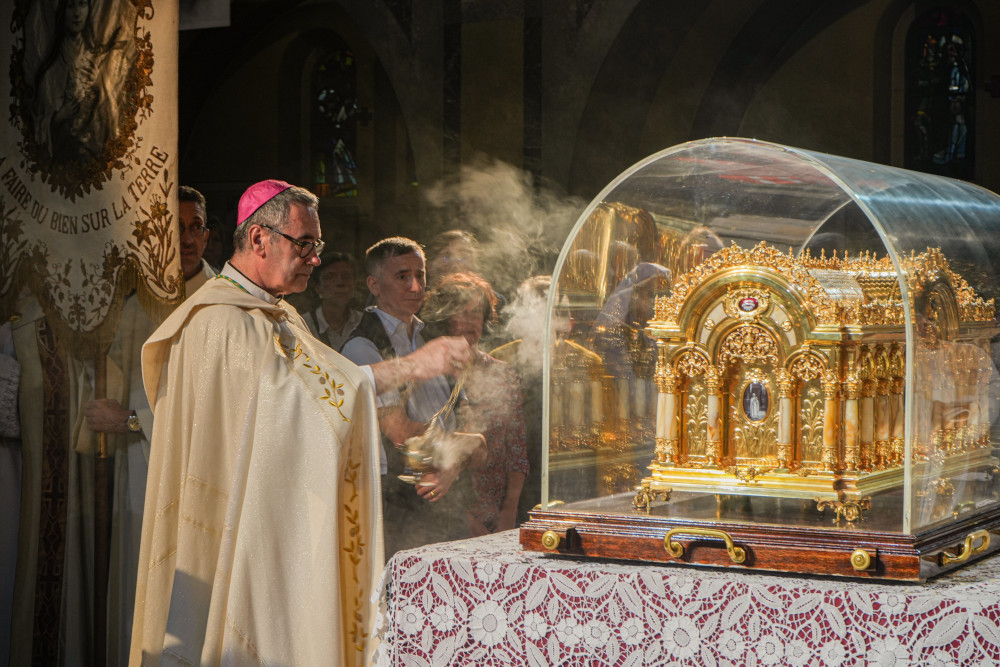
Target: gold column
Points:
(867, 454)
(713, 388)
(882, 423)
(831, 413)
(785, 407)
(896, 439)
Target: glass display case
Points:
(762, 357)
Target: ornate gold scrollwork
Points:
(784, 383)
(808, 365)
(944, 486)
(691, 361)
(852, 386)
(751, 344)
(849, 510)
(666, 450)
(748, 474)
(676, 549)
(969, 548)
(644, 497)
(712, 378)
(667, 381)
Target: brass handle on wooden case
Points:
(551, 540)
(861, 560)
(967, 548)
(676, 549)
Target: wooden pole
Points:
(102, 518)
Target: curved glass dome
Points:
(734, 318)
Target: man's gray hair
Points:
(394, 246)
(274, 213)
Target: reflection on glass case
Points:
(766, 358)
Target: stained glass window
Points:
(940, 95)
(334, 129)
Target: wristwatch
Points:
(133, 423)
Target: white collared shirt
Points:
(424, 399)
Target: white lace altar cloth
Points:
(484, 601)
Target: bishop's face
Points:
(285, 271)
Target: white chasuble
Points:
(261, 537)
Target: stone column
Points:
(852, 422)
(667, 407)
(713, 388)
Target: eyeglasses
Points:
(196, 229)
(305, 247)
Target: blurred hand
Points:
(106, 415)
(434, 486)
(441, 356)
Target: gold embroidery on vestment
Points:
(331, 390)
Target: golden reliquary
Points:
(783, 376)
(760, 357)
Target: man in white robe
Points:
(261, 537)
(128, 420)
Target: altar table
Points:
(484, 601)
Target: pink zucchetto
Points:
(256, 196)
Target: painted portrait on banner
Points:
(87, 166)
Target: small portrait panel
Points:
(755, 401)
(80, 76)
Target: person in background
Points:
(453, 251)
(432, 510)
(463, 304)
(526, 312)
(337, 314)
(215, 249)
(127, 418)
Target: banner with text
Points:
(88, 159)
